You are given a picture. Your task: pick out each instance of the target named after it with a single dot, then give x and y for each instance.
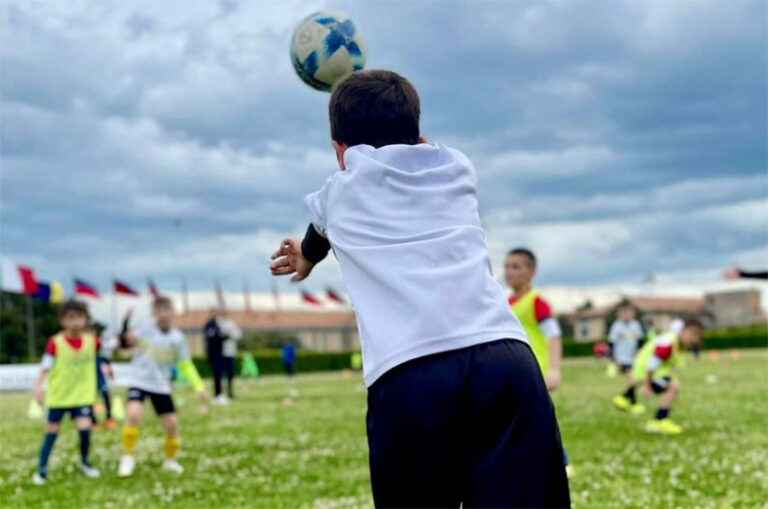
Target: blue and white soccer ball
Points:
(326, 46)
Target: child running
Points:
(458, 413)
(156, 348)
(68, 362)
(535, 314)
(624, 336)
(654, 370)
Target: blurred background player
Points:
(231, 334)
(156, 347)
(535, 315)
(654, 369)
(69, 360)
(288, 351)
(624, 337)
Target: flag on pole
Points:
(220, 295)
(309, 298)
(276, 294)
(28, 280)
(246, 296)
(43, 292)
(11, 279)
(152, 288)
(184, 295)
(84, 288)
(57, 292)
(335, 296)
(124, 289)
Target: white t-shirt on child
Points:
(404, 225)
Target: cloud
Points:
(149, 139)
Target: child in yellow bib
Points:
(69, 363)
(536, 317)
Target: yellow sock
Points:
(172, 445)
(128, 437)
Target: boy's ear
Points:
(339, 148)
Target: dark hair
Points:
(524, 252)
(162, 301)
(73, 306)
(374, 108)
(693, 322)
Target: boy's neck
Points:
(519, 290)
(72, 333)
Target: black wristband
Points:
(314, 247)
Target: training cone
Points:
(250, 367)
(118, 408)
(714, 356)
(35, 411)
(356, 361)
(735, 354)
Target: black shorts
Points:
(660, 385)
(473, 426)
(163, 403)
(55, 415)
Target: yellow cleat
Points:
(637, 409)
(663, 427)
(622, 403)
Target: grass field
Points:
(260, 452)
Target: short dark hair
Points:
(162, 301)
(523, 251)
(374, 108)
(693, 322)
(73, 306)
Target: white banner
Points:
(21, 377)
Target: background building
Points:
(314, 330)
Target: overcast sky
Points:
(174, 140)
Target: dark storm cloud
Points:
(629, 136)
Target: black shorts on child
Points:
(474, 426)
(55, 415)
(163, 403)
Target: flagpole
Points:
(114, 306)
(31, 349)
(184, 297)
(246, 296)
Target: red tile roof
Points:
(273, 320)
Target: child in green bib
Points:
(68, 363)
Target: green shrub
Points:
(271, 362)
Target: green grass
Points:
(262, 453)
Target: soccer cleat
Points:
(127, 466)
(637, 409)
(220, 400)
(89, 471)
(173, 466)
(111, 424)
(96, 427)
(622, 403)
(39, 479)
(663, 427)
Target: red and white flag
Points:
(309, 298)
(335, 296)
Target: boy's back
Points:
(458, 413)
(404, 225)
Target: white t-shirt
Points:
(404, 225)
(233, 332)
(624, 336)
(156, 353)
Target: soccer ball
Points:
(326, 47)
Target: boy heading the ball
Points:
(458, 412)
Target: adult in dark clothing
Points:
(214, 341)
(289, 357)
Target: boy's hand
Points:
(290, 260)
(39, 395)
(552, 380)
